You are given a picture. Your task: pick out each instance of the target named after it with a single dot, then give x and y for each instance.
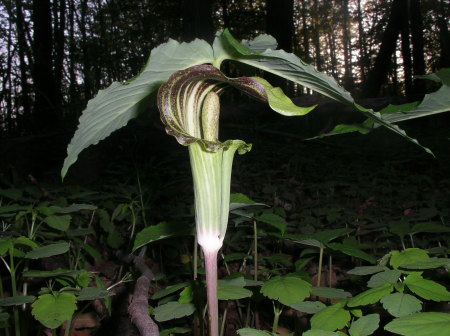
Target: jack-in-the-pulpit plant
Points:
(188, 82)
(189, 107)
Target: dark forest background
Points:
(56, 54)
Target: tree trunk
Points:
(305, 33)
(444, 37)
(59, 26)
(22, 46)
(406, 49)
(378, 75)
(197, 20)
(72, 51)
(45, 116)
(225, 16)
(280, 24)
(417, 42)
(346, 41)
(362, 44)
(316, 36)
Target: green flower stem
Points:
(14, 290)
(319, 271)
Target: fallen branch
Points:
(138, 308)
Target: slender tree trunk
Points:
(87, 77)
(378, 75)
(45, 116)
(305, 33)
(418, 48)
(406, 49)
(346, 41)
(72, 51)
(280, 24)
(316, 36)
(444, 37)
(197, 20)
(22, 46)
(362, 44)
(225, 16)
(59, 26)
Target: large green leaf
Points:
(421, 324)
(53, 310)
(308, 307)
(16, 300)
(286, 289)
(408, 256)
(370, 296)
(388, 276)
(48, 250)
(427, 289)
(331, 318)
(113, 107)
(432, 103)
(401, 304)
(173, 310)
(253, 332)
(352, 251)
(159, 231)
(365, 325)
(294, 69)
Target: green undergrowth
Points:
(324, 238)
